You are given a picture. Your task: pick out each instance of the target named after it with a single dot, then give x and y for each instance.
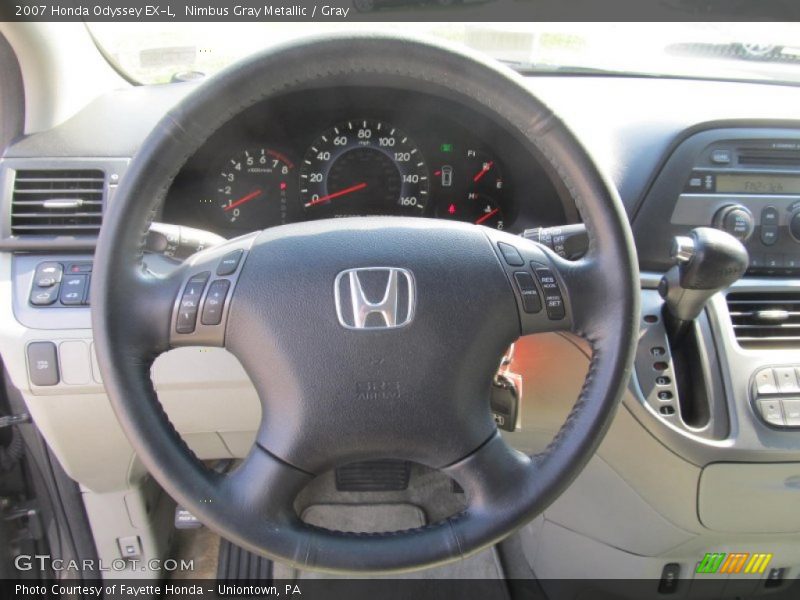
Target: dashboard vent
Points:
(769, 157)
(765, 319)
(57, 202)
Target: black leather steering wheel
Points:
(331, 392)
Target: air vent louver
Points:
(765, 319)
(57, 202)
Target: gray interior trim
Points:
(12, 96)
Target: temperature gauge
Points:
(475, 208)
(471, 190)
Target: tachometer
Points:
(363, 167)
(254, 187)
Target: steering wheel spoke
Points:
(491, 475)
(542, 283)
(201, 306)
(264, 486)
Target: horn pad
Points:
(372, 338)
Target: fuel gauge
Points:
(471, 189)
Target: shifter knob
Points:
(707, 261)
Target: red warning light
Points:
(451, 209)
(283, 185)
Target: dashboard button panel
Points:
(73, 290)
(57, 286)
(776, 395)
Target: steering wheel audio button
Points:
(229, 263)
(215, 301)
(190, 300)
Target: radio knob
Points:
(737, 220)
(794, 226)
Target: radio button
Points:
(721, 157)
(736, 220)
(769, 216)
(769, 234)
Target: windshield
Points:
(163, 52)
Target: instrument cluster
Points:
(291, 162)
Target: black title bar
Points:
(399, 10)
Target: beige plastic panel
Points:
(141, 511)
(751, 498)
(619, 517)
(635, 459)
(74, 362)
(558, 553)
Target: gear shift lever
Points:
(707, 261)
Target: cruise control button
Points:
(791, 411)
(531, 302)
(73, 289)
(214, 302)
(229, 263)
(510, 254)
(771, 411)
(547, 279)
(555, 307)
(42, 363)
(765, 382)
(553, 301)
(787, 380)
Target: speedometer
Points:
(363, 167)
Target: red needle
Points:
(350, 190)
(486, 168)
(243, 199)
(487, 216)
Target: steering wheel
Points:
(345, 372)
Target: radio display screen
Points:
(739, 183)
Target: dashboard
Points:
(341, 152)
(633, 127)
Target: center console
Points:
(732, 392)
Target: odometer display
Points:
(363, 167)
